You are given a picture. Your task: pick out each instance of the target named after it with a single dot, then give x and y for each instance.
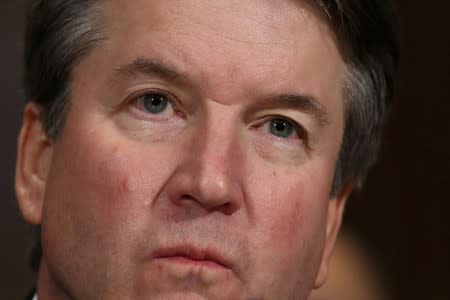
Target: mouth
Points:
(189, 255)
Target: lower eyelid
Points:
(146, 116)
(275, 146)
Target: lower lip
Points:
(183, 260)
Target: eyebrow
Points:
(302, 102)
(151, 67)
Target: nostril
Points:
(186, 200)
(187, 197)
(226, 208)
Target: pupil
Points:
(155, 103)
(280, 126)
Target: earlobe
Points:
(33, 161)
(336, 208)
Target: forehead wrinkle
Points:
(266, 17)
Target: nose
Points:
(210, 171)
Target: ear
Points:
(33, 161)
(336, 207)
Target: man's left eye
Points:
(285, 128)
(154, 103)
(282, 128)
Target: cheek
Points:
(105, 186)
(288, 230)
(297, 218)
(98, 182)
(288, 201)
(290, 217)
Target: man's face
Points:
(197, 155)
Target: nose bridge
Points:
(209, 172)
(216, 152)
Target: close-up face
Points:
(197, 156)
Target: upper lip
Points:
(194, 253)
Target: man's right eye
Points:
(154, 103)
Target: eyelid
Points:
(138, 94)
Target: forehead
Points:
(289, 39)
(250, 21)
(262, 13)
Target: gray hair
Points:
(61, 32)
(58, 35)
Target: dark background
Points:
(403, 214)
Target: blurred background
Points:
(402, 217)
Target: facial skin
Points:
(198, 199)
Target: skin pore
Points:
(196, 159)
